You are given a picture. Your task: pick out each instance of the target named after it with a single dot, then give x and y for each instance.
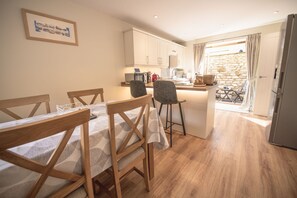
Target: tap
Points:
(173, 70)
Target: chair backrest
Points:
(165, 92)
(120, 108)
(137, 88)
(89, 92)
(20, 135)
(37, 100)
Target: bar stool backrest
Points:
(137, 88)
(165, 92)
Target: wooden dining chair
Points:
(89, 92)
(125, 156)
(37, 100)
(20, 135)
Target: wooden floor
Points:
(235, 161)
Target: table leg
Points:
(151, 160)
(230, 99)
(226, 95)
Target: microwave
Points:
(136, 76)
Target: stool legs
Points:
(170, 119)
(166, 117)
(153, 100)
(160, 109)
(170, 125)
(182, 119)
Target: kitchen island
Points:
(198, 110)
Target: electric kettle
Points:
(155, 77)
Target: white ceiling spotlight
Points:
(193, 19)
(276, 12)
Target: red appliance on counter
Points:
(155, 77)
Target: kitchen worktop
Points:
(179, 87)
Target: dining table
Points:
(16, 181)
(225, 94)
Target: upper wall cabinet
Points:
(152, 49)
(179, 51)
(135, 48)
(144, 49)
(163, 56)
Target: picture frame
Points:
(44, 27)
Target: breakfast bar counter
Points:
(185, 87)
(178, 87)
(198, 110)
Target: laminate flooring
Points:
(235, 161)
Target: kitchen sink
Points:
(180, 81)
(183, 83)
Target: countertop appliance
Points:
(173, 60)
(284, 118)
(155, 77)
(142, 76)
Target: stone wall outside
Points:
(230, 69)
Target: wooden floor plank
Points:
(235, 161)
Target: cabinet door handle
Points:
(147, 59)
(262, 76)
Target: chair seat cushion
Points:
(131, 157)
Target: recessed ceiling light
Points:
(155, 16)
(276, 12)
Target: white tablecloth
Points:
(15, 181)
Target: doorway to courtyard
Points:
(228, 61)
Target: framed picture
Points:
(43, 27)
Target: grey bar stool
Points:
(137, 89)
(165, 93)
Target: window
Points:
(227, 60)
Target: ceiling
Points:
(185, 20)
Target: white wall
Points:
(30, 67)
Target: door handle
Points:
(277, 93)
(262, 76)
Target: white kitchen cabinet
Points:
(144, 49)
(135, 48)
(152, 48)
(172, 49)
(179, 51)
(157, 52)
(180, 56)
(163, 57)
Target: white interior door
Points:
(266, 66)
